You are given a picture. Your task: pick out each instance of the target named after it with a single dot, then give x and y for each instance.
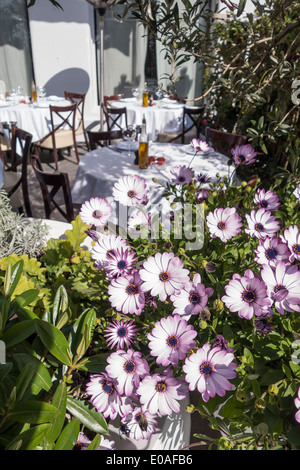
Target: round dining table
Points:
(99, 169)
(33, 118)
(164, 115)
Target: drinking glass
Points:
(159, 93)
(135, 92)
(129, 134)
(41, 92)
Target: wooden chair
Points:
(223, 142)
(114, 117)
(78, 98)
(57, 181)
(102, 138)
(195, 115)
(15, 181)
(62, 133)
(108, 98)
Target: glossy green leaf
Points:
(95, 443)
(16, 273)
(87, 415)
(60, 304)
(33, 412)
(68, 437)
(95, 364)
(26, 297)
(59, 400)
(41, 377)
(54, 340)
(30, 439)
(18, 332)
(83, 332)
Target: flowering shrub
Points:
(223, 319)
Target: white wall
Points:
(63, 50)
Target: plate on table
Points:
(42, 105)
(128, 100)
(56, 98)
(124, 145)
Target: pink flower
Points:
(266, 200)
(297, 404)
(224, 223)
(208, 370)
(202, 195)
(163, 275)
(83, 443)
(171, 339)
(261, 224)
(200, 145)
(127, 368)
(120, 333)
(192, 298)
(161, 393)
(130, 190)
(139, 223)
(126, 294)
(140, 424)
(291, 236)
(120, 263)
(271, 251)
(246, 295)
(283, 284)
(296, 193)
(96, 212)
(104, 395)
(244, 154)
(181, 175)
(105, 247)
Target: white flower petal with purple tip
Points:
(261, 224)
(171, 339)
(291, 236)
(209, 370)
(200, 145)
(297, 405)
(120, 333)
(244, 154)
(224, 223)
(96, 212)
(120, 263)
(192, 298)
(181, 175)
(125, 294)
(130, 190)
(105, 247)
(271, 251)
(266, 200)
(104, 395)
(296, 193)
(140, 424)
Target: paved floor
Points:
(69, 165)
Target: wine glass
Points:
(129, 134)
(135, 92)
(13, 94)
(41, 92)
(159, 93)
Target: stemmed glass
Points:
(13, 94)
(41, 92)
(129, 134)
(159, 93)
(135, 92)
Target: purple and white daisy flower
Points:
(126, 295)
(244, 154)
(267, 200)
(105, 247)
(203, 178)
(291, 236)
(181, 175)
(297, 405)
(171, 339)
(296, 193)
(104, 395)
(120, 263)
(261, 224)
(246, 295)
(283, 284)
(221, 342)
(192, 298)
(130, 190)
(202, 195)
(139, 223)
(127, 368)
(208, 370)
(161, 393)
(224, 223)
(200, 145)
(120, 333)
(163, 275)
(95, 212)
(83, 443)
(271, 251)
(140, 424)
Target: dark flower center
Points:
(161, 387)
(131, 193)
(241, 158)
(278, 287)
(122, 332)
(129, 367)
(221, 225)
(131, 289)
(259, 227)
(206, 369)
(248, 296)
(121, 264)
(164, 276)
(97, 214)
(271, 253)
(108, 389)
(173, 341)
(181, 179)
(264, 203)
(78, 446)
(296, 249)
(110, 253)
(194, 298)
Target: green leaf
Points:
(27, 297)
(41, 376)
(33, 412)
(68, 437)
(30, 439)
(16, 273)
(18, 332)
(59, 400)
(77, 235)
(60, 304)
(23, 381)
(54, 340)
(4, 370)
(95, 443)
(87, 415)
(84, 329)
(95, 364)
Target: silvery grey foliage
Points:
(18, 235)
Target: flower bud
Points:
(204, 314)
(181, 251)
(260, 405)
(218, 305)
(210, 267)
(190, 408)
(241, 395)
(273, 390)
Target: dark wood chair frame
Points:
(78, 98)
(223, 142)
(102, 138)
(196, 115)
(57, 180)
(113, 117)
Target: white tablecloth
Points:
(99, 169)
(163, 116)
(33, 118)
